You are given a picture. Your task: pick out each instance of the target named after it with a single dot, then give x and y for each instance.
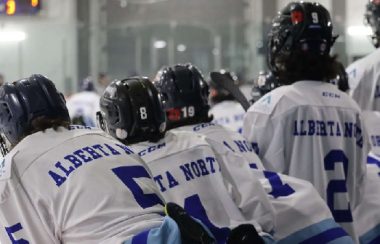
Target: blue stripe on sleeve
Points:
(168, 232)
(326, 236)
(371, 160)
(141, 238)
(323, 232)
(371, 237)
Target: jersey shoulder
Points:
(368, 62)
(303, 94)
(361, 69)
(174, 142)
(269, 102)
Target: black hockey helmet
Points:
(185, 92)
(131, 110)
(341, 80)
(265, 82)
(217, 92)
(26, 99)
(301, 26)
(372, 18)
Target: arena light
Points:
(12, 36)
(34, 3)
(10, 7)
(359, 30)
(181, 47)
(159, 44)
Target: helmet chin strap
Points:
(3, 145)
(376, 40)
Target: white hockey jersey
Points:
(364, 80)
(290, 197)
(75, 186)
(313, 131)
(371, 121)
(85, 105)
(186, 171)
(367, 214)
(229, 114)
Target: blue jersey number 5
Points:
(127, 174)
(335, 186)
(13, 229)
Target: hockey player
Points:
(83, 106)
(363, 74)
(308, 128)
(366, 215)
(184, 89)
(183, 164)
(265, 83)
(70, 184)
(225, 110)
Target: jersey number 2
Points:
(335, 186)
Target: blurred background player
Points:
(2, 80)
(363, 74)
(48, 189)
(264, 83)
(103, 82)
(83, 106)
(185, 89)
(308, 128)
(225, 110)
(183, 164)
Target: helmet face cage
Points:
(131, 110)
(301, 26)
(185, 92)
(372, 18)
(26, 99)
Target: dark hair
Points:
(189, 121)
(43, 123)
(300, 65)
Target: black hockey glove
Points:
(192, 232)
(244, 234)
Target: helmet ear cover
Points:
(131, 111)
(299, 26)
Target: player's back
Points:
(371, 121)
(289, 196)
(76, 186)
(313, 131)
(367, 216)
(184, 167)
(229, 114)
(364, 81)
(83, 106)
(224, 140)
